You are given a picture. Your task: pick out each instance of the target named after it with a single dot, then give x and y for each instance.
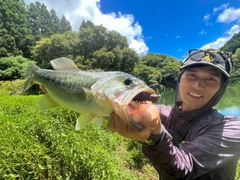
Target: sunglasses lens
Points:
(189, 53)
(198, 56)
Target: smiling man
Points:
(191, 140)
(198, 85)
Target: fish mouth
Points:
(138, 95)
(138, 100)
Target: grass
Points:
(45, 145)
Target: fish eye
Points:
(128, 81)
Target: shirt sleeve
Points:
(210, 147)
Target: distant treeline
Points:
(32, 34)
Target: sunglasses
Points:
(212, 55)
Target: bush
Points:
(11, 87)
(12, 68)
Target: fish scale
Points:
(92, 94)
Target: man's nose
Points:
(199, 83)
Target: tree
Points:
(93, 38)
(12, 68)
(115, 39)
(55, 22)
(236, 61)
(170, 73)
(33, 11)
(44, 23)
(167, 65)
(149, 75)
(55, 46)
(15, 35)
(64, 25)
(232, 44)
(117, 59)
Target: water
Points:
(228, 105)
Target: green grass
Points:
(41, 145)
(45, 145)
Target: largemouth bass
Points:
(93, 94)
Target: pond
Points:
(229, 104)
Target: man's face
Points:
(198, 85)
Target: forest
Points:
(32, 34)
(45, 145)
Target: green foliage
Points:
(55, 46)
(148, 74)
(236, 64)
(167, 65)
(232, 44)
(170, 72)
(22, 26)
(38, 33)
(91, 48)
(117, 59)
(93, 38)
(13, 67)
(11, 87)
(65, 25)
(44, 23)
(44, 145)
(15, 36)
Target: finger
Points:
(43, 88)
(147, 118)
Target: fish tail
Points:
(29, 75)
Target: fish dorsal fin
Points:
(63, 63)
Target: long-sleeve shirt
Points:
(210, 151)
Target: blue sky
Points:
(170, 27)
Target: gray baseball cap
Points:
(212, 57)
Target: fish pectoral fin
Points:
(98, 120)
(46, 102)
(83, 120)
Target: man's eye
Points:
(192, 75)
(211, 79)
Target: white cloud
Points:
(223, 6)
(206, 17)
(178, 36)
(235, 29)
(229, 15)
(179, 49)
(222, 40)
(79, 10)
(208, 24)
(202, 32)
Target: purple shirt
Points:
(210, 151)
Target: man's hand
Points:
(150, 119)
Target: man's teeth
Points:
(195, 95)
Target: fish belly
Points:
(71, 90)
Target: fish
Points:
(93, 94)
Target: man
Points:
(209, 148)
